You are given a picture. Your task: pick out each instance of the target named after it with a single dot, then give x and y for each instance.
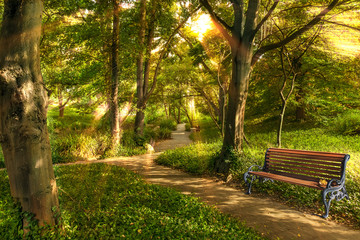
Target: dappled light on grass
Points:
(100, 201)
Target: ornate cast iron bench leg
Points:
(331, 193)
(253, 177)
(246, 176)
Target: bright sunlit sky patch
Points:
(201, 25)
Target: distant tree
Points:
(155, 19)
(23, 112)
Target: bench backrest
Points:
(307, 165)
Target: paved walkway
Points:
(271, 218)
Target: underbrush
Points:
(198, 158)
(77, 136)
(100, 201)
(208, 131)
(195, 158)
(347, 123)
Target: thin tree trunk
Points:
(23, 111)
(284, 98)
(61, 107)
(114, 105)
(139, 118)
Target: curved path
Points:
(270, 218)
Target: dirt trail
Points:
(271, 218)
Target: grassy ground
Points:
(198, 159)
(100, 201)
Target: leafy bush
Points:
(168, 124)
(195, 158)
(74, 147)
(187, 127)
(347, 123)
(100, 201)
(163, 133)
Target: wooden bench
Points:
(319, 170)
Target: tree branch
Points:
(162, 54)
(221, 25)
(251, 15)
(295, 34)
(261, 23)
(342, 24)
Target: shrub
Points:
(347, 123)
(195, 158)
(74, 147)
(187, 127)
(163, 133)
(168, 124)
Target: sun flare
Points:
(201, 25)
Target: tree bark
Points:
(114, 105)
(23, 112)
(139, 118)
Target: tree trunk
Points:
(139, 118)
(222, 107)
(61, 102)
(234, 121)
(23, 111)
(114, 105)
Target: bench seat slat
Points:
(301, 182)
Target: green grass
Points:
(198, 158)
(100, 201)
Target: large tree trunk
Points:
(235, 116)
(114, 105)
(23, 111)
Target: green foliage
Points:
(74, 147)
(100, 201)
(195, 158)
(74, 120)
(168, 124)
(347, 123)
(10, 213)
(2, 161)
(208, 131)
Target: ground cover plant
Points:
(100, 201)
(198, 158)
